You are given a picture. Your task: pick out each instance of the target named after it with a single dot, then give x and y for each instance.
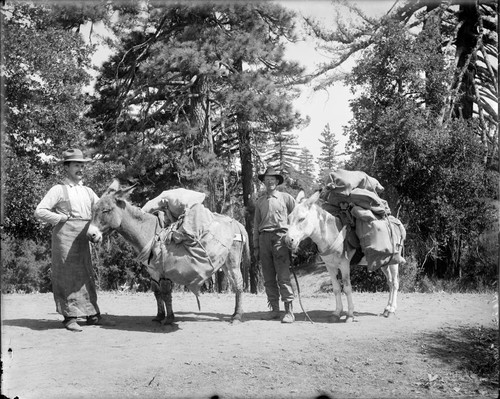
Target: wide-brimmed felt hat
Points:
(270, 171)
(73, 155)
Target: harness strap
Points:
(391, 233)
(66, 199)
(331, 249)
(68, 202)
(146, 253)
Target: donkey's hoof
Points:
(169, 320)
(334, 318)
(349, 319)
(388, 313)
(159, 318)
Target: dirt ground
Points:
(424, 351)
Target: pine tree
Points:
(44, 72)
(327, 160)
(458, 56)
(187, 96)
(306, 163)
(283, 153)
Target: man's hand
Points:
(64, 218)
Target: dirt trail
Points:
(421, 352)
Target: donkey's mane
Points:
(135, 211)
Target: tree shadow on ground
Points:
(472, 349)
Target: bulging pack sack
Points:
(353, 187)
(174, 202)
(344, 181)
(381, 240)
(190, 253)
(369, 200)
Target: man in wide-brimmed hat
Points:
(68, 208)
(270, 227)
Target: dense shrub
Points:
(409, 275)
(480, 262)
(116, 265)
(25, 265)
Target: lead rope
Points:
(96, 266)
(298, 289)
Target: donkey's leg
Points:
(232, 270)
(391, 273)
(160, 304)
(166, 294)
(346, 282)
(337, 291)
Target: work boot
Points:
(70, 324)
(274, 313)
(289, 316)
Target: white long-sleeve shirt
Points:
(54, 205)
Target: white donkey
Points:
(309, 219)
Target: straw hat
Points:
(74, 155)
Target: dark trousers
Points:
(275, 259)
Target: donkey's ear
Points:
(124, 193)
(300, 197)
(113, 187)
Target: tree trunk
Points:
(200, 112)
(434, 99)
(466, 43)
(200, 119)
(248, 202)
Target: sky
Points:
(331, 104)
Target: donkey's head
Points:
(107, 213)
(303, 221)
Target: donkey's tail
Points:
(245, 254)
(198, 302)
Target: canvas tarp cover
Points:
(344, 181)
(190, 251)
(381, 240)
(356, 187)
(174, 202)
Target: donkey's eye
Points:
(106, 210)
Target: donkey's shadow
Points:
(146, 323)
(124, 323)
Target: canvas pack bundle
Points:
(381, 240)
(380, 234)
(174, 202)
(190, 250)
(356, 187)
